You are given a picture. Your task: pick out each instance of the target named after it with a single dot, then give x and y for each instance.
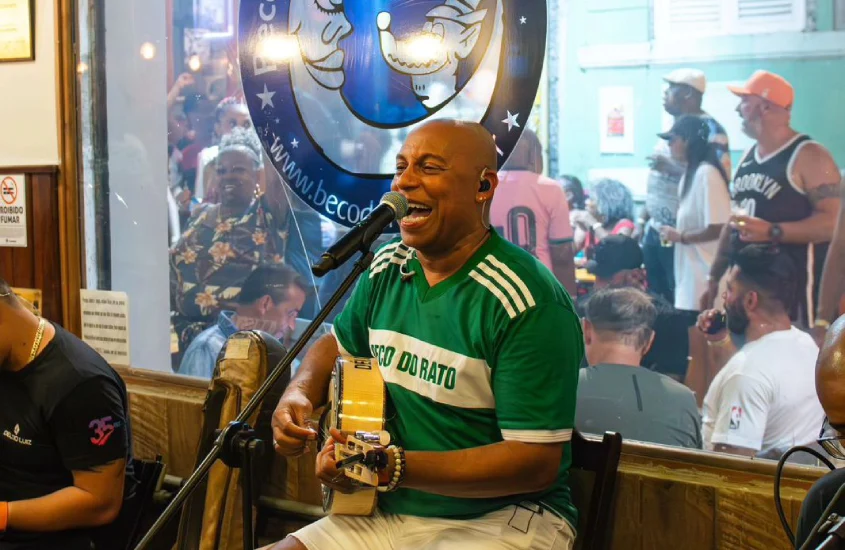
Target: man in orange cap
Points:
(785, 191)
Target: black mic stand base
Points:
(834, 528)
(237, 442)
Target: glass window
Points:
(200, 206)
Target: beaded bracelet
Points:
(398, 470)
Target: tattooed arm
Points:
(833, 283)
(817, 174)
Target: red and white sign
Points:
(13, 210)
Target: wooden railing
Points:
(666, 497)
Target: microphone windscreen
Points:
(397, 202)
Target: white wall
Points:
(28, 103)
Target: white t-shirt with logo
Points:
(765, 397)
(707, 202)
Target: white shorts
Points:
(526, 526)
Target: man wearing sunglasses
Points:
(830, 385)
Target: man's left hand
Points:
(670, 234)
(752, 230)
(326, 468)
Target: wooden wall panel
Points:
(665, 504)
(627, 517)
(38, 265)
(166, 413)
(665, 498)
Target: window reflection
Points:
(624, 179)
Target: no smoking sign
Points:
(9, 190)
(13, 231)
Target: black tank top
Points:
(763, 188)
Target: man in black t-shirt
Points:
(64, 435)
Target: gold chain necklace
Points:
(39, 335)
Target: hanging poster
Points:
(17, 36)
(616, 120)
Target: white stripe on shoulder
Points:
(514, 277)
(398, 258)
(514, 295)
(538, 436)
(386, 252)
(483, 281)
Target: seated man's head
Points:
(761, 288)
(239, 163)
(618, 262)
(830, 382)
(447, 171)
(618, 326)
(270, 300)
(12, 310)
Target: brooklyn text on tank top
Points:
(764, 187)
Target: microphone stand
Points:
(834, 528)
(236, 442)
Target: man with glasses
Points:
(830, 385)
(270, 300)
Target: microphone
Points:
(393, 207)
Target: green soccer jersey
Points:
(490, 354)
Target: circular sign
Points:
(334, 87)
(9, 190)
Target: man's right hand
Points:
(708, 299)
(706, 320)
(292, 431)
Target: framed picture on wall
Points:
(17, 30)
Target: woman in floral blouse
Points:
(225, 242)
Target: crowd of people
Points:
(241, 252)
(506, 364)
(719, 287)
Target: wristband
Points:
(398, 470)
(723, 343)
(821, 323)
(4, 516)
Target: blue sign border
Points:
(336, 193)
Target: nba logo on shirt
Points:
(736, 416)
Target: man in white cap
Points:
(682, 97)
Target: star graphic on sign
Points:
(511, 121)
(523, 20)
(294, 143)
(501, 153)
(266, 97)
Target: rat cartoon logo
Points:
(334, 86)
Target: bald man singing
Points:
(481, 367)
(830, 386)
